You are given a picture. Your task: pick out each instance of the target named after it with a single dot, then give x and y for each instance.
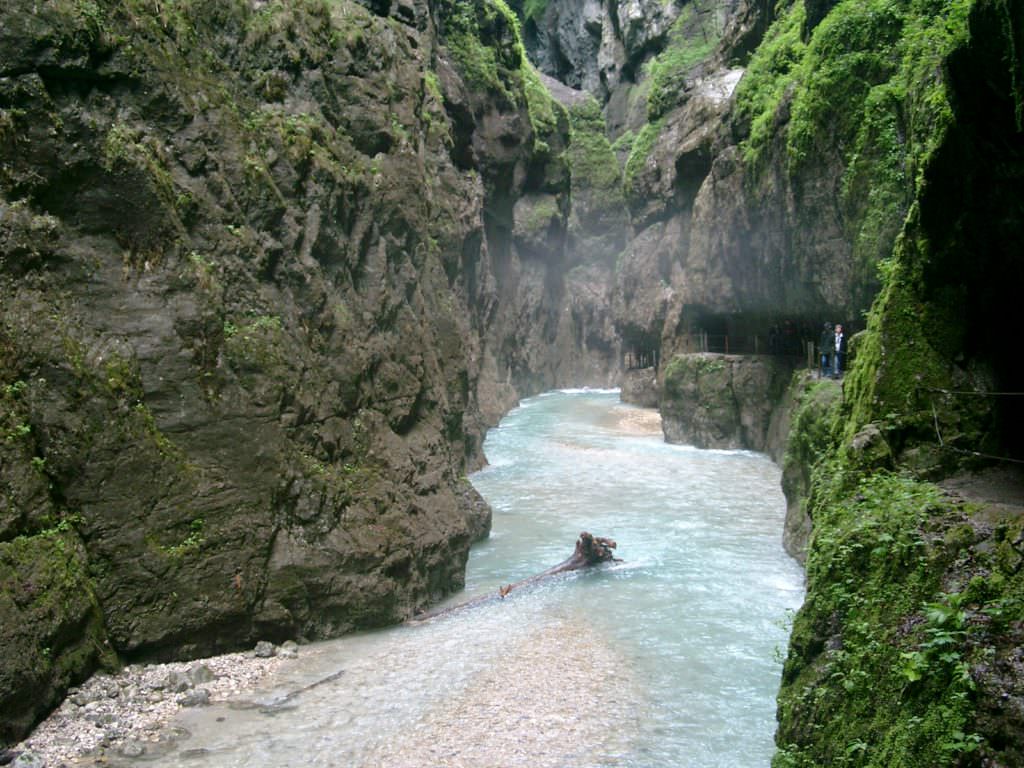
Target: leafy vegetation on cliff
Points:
(691, 40)
(906, 652)
(639, 151)
(773, 70)
(832, 80)
(815, 406)
(911, 604)
(865, 84)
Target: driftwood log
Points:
(590, 551)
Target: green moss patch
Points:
(898, 629)
(639, 151)
(691, 41)
(484, 39)
(598, 200)
(771, 74)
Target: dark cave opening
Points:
(973, 212)
(641, 348)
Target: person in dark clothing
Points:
(839, 354)
(826, 346)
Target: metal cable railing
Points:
(965, 451)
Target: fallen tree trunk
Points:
(590, 551)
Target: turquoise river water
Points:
(670, 658)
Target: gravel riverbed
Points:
(128, 714)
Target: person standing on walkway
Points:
(825, 344)
(839, 356)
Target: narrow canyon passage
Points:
(669, 658)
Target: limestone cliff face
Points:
(743, 232)
(591, 45)
(733, 226)
(649, 64)
(266, 274)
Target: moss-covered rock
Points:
(906, 651)
(535, 216)
(599, 221)
(53, 624)
(721, 401)
(813, 413)
(909, 607)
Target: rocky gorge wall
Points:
(906, 651)
(267, 272)
(729, 232)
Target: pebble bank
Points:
(128, 714)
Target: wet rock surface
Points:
(640, 387)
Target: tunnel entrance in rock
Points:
(754, 333)
(640, 348)
(974, 217)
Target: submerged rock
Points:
(200, 697)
